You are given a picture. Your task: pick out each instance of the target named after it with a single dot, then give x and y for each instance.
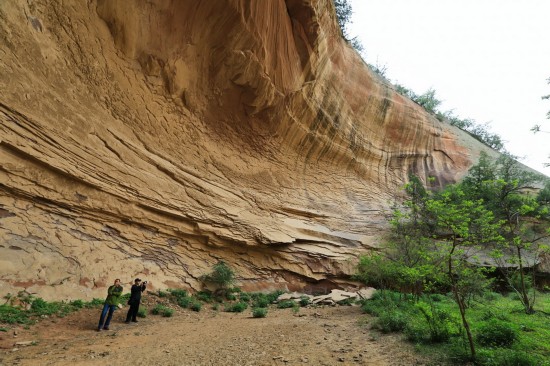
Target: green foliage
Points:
(41, 307)
(184, 302)
(77, 304)
(237, 307)
(245, 297)
(507, 357)
(222, 276)
(440, 324)
(204, 296)
(163, 310)
(272, 296)
(260, 300)
(38, 308)
(437, 330)
(543, 197)
(304, 301)
(195, 305)
(522, 220)
(430, 103)
(259, 312)
(94, 303)
(496, 333)
(344, 12)
(391, 321)
(178, 293)
(163, 293)
(142, 312)
(123, 299)
(14, 315)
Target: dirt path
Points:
(313, 336)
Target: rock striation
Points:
(154, 138)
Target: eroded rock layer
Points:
(154, 138)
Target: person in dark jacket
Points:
(135, 299)
(110, 305)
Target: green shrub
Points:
(272, 296)
(41, 307)
(94, 303)
(417, 331)
(391, 321)
(142, 313)
(437, 297)
(496, 333)
(285, 304)
(184, 302)
(167, 313)
(491, 296)
(222, 275)
(489, 314)
(178, 293)
(123, 299)
(238, 307)
(304, 301)
(259, 312)
(261, 302)
(244, 297)
(13, 315)
(163, 293)
(505, 357)
(195, 306)
(373, 308)
(439, 322)
(78, 304)
(204, 296)
(231, 297)
(162, 310)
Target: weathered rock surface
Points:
(153, 138)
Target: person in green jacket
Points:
(111, 303)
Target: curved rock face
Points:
(154, 138)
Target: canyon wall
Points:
(153, 138)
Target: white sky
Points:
(488, 60)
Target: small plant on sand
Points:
(162, 310)
(142, 313)
(238, 307)
(259, 312)
(195, 305)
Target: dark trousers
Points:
(106, 308)
(132, 312)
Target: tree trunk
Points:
(461, 305)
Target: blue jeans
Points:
(111, 310)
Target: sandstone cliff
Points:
(152, 138)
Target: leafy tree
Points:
(435, 239)
(222, 276)
(344, 12)
(428, 101)
(462, 227)
(502, 186)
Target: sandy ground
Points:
(313, 336)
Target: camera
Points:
(144, 282)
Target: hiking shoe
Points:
(105, 328)
(135, 321)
